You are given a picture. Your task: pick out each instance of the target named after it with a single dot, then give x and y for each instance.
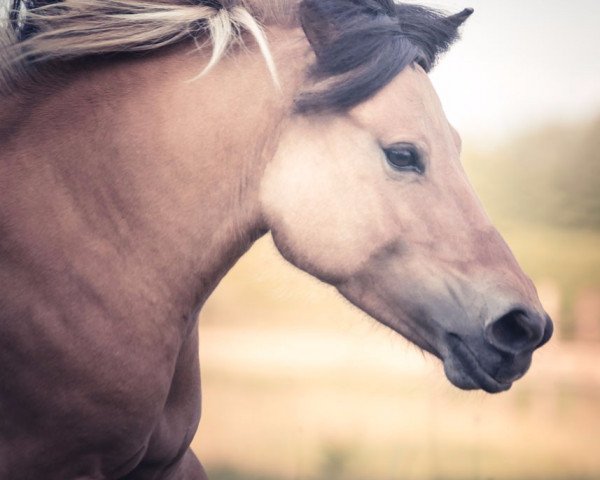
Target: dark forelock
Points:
(361, 45)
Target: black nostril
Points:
(516, 332)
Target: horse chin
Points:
(465, 372)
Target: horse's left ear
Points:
(319, 28)
(459, 18)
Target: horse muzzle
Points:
(502, 356)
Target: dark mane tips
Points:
(361, 45)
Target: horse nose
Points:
(519, 331)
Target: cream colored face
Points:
(412, 247)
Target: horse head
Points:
(366, 192)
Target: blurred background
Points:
(297, 384)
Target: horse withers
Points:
(130, 184)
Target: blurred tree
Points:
(549, 176)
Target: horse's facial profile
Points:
(375, 202)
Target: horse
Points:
(145, 145)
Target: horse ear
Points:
(459, 18)
(319, 30)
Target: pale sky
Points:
(520, 63)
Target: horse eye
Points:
(404, 158)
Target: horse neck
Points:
(138, 161)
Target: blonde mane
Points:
(73, 29)
(359, 45)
